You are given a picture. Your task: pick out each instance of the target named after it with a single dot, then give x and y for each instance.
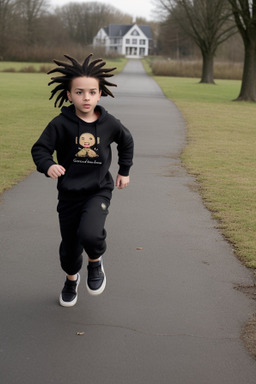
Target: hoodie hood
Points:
(69, 113)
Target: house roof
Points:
(117, 30)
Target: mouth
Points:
(86, 145)
(86, 106)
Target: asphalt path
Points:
(169, 314)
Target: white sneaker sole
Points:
(101, 289)
(73, 302)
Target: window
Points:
(134, 41)
(135, 33)
(115, 41)
(127, 41)
(142, 42)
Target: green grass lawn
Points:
(25, 111)
(220, 152)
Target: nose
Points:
(86, 96)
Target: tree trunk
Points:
(207, 70)
(248, 88)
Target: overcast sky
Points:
(135, 8)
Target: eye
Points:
(78, 92)
(92, 92)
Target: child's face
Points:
(87, 140)
(84, 94)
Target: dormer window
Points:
(135, 33)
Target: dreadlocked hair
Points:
(70, 71)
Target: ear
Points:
(100, 92)
(69, 96)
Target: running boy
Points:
(82, 135)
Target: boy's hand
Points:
(56, 171)
(122, 181)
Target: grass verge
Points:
(220, 152)
(25, 111)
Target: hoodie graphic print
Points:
(87, 147)
(84, 150)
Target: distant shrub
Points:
(176, 68)
(45, 68)
(229, 71)
(9, 70)
(29, 69)
(182, 68)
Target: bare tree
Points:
(83, 20)
(6, 8)
(245, 17)
(172, 41)
(29, 12)
(207, 22)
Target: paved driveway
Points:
(170, 313)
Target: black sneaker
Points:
(68, 296)
(96, 281)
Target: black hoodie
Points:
(83, 149)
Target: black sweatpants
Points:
(82, 228)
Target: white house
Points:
(129, 40)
